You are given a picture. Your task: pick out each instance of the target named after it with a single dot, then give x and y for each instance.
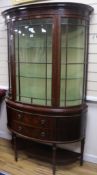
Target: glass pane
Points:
(62, 84)
(32, 88)
(16, 47)
(75, 55)
(63, 71)
(72, 61)
(63, 36)
(33, 52)
(25, 99)
(33, 70)
(75, 50)
(76, 36)
(73, 103)
(49, 54)
(63, 55)
(17, 87)
(75, 71)
(48, 90)
(38, 101)
(49, 70)
(62, 94)
(73, 21)
(63, 62)
(74, 89)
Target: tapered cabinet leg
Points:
(15, 146)
(54, 158)
(12, 140)
(82, 151)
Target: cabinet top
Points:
(49, 5)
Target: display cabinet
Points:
(47, 60)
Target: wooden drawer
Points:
(34, 126)
(38, 121)
(37, 133)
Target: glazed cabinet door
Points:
(33, 61)
(73, 61)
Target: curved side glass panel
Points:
(72, 61)
(33, 53)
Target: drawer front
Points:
(31, 119)
(37, 133)
(39, 121)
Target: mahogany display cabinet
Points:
(47, 60)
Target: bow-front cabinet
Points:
(47, 61)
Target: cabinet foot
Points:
(82, 151)
(15, 146)
(54, 158)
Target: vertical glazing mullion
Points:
(19, 67)
(66, 62)
(46, 66)
(56, 61)
(12, 59)
(9, 67)
(86, 55)
(84, 67)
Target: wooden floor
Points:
(29, 166)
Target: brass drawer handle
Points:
(19, 116)
(43, 134)
(43, 121)
(19, 128)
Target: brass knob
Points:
(20, 128)
(19, 116)
(43, 134)
(42, 121)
